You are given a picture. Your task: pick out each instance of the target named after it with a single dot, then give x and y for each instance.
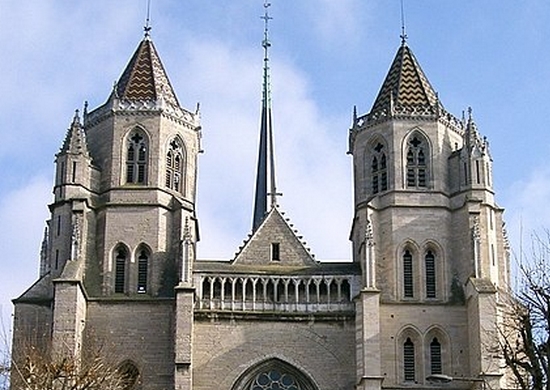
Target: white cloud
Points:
(337, 21)
(22, 215)
(527, 210)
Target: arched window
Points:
(378, 169)
(174, 178)
(274, 374)
(417, 162)
(430, 273)
(121, 258)
(409, 370)
(408, 275)
(143, 269)
(128, 374)
(136, 158)
(435, 357)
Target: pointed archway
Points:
(274, 374)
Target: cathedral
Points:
(416, 305)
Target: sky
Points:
(326, 57)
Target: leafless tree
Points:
(525, 327)
(5, 357)
(38, 369)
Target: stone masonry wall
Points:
(225, 348)
(137, 330)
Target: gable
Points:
(274, 243)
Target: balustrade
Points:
(274, 293)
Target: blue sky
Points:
(327, 56)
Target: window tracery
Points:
(417, 162)
(174, 166)
(378, 169)
(136, 158)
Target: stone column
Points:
(183, 378)
(367, 323)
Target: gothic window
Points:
(435, 357)
(274, 374)
(378, 169)
(174, 166)
(121, 257)
(408, 361)
(417, 162)
(408, 275)
(129, 375)
(430, 274)
(143, 269)
(136, 158)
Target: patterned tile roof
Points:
(144, 78)
(405, 85)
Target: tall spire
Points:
(266, 154)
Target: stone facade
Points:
(419, 297)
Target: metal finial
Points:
(147, 28)
(403, 35)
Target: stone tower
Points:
(418, 300)
(123, 224)
(427, 233)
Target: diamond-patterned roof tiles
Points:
(145, 78)
(406, 84)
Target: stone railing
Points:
(311, 294)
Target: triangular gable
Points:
(274, 243)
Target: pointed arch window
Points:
(408, 275)
(435, 357)
(174, 178)
(409, 370)
(121, 258)
(417, 162)
(430, 273)
(274, 374)
(128, 375)
(136, 158)
(143, 270)
(378, 169)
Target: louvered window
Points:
(408, 282)
(430, 275)
(143, 269)
(120, 270)
(408, 361)
(435, 357)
